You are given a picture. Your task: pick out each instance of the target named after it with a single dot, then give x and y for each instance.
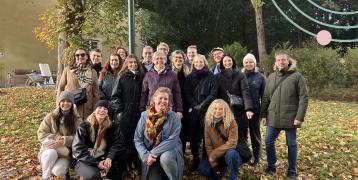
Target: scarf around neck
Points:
(154, 126)
(83, 72)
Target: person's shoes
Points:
(67, 176)
(195, 165)
(291, 175)
(270, 170)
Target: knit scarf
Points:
(154, 126)
(83, 72)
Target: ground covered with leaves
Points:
(328, 140)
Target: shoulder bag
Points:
(80, 96)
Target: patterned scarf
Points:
(83, 72)
(154, 126)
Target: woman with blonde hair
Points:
(199, 91)
(157, 139)
(220, 136)
(98, 145)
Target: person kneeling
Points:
(97, 145)
(220, 137)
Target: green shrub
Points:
(351, 64)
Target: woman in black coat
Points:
(182, 70)
(98, 145)
(231, 80)
(200, 90)
(125, 101)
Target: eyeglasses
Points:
(82, 55)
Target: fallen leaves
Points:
(327, 142)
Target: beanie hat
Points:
(67, 95)
(249, 56)
(102, 103)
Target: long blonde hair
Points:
(228, 117)
(93, 121)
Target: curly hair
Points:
(228, 116)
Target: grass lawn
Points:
(328, 139)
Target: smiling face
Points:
(217, 55)
(249, 64)
(281, 62)
(65, 105)
(161, 101)
(191, 53)
(218, 111)
(122, 53)
(227, 62)
(198, 63)
(178, 60)
(159, 61)
(114, 62)
(147, 55)
(81, 56)
(132, 64)
(101, 113)
(96, 57)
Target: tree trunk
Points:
(62, 45)
(260, 33)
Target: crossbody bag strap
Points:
(278, 84)
(217, 129)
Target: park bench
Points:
(18, 77)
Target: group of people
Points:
(147, 111)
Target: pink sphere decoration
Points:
(324, 37)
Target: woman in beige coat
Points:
(56, 134)
(78, 75)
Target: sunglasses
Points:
(82, 55)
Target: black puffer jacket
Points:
(257, 84)
(82, 142)
(236, 83)
(125, 102)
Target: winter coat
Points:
(171, 131)
(236, 83)
(288, 102)
(106, 86)
(152, 80)
(48, 130)
(216, 146)
(82, 142)
(125, 102)
(257, 82)
(69, 82)
(200, 90)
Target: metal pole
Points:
(131, 26)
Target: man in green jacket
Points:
(284, 106)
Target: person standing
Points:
(80, 75)
(108, 76)
(200, 90)
(147, 62)
(191, 52)
(96, 58)
(161, 76)
(217, 54)
(284, 106)
(256, 81)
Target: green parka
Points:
(290, 99)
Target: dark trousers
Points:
(93, 173)
(196, 131)
(255, 136)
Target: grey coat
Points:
(171, 130)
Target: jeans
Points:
(50, 162)
(166, 168)
(232, 160)
(291, 142)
